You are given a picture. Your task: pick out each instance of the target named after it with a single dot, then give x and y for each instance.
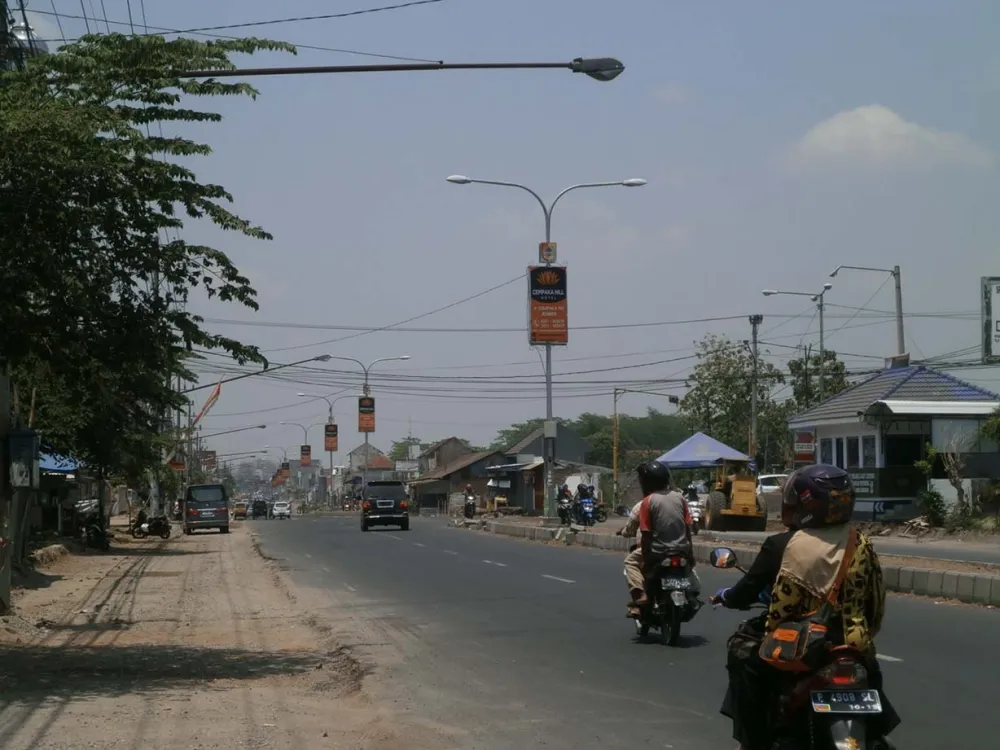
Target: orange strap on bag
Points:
(799, 645)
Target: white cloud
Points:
(671, 93)
(875, 136)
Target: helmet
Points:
(582, 490)
(653, 477)
(816, 496)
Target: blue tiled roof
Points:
(917, 383)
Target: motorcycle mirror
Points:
(723, 557)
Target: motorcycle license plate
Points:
(675, 583)
(846, 702)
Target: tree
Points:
(991, 427)
(93, 206)
(511, 435)
(400, 450)
(718, 401)
(805, 377)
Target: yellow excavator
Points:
(732, 503)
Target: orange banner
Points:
(548, 321)
(286, 469)
(330, 438)
(366, 414)
(305, 455)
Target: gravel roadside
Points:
(196, 642)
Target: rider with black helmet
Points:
(664, 529)
(798, 568)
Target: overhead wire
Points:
(861, 309)
(171, 31)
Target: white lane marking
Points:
(349, 587)
(326, 569)
(557, 578)
(309, 556)
(498, 564)
(418, 544)
(393, 536)
(886, 657)
(449, 552)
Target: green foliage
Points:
(932, 507)
(991, 427)
(507, 437)
(400, 450)
(805, 377)
(93, 202)
(718, 401)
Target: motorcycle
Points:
(670, 600)
(585, 511)
(828, 708)
(694, 509)
(601, 512)
(94, 536)
(158, 526)
(565, 511)
(470, 506)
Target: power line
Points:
(394, 326)
(863, 307)
(165, 30)
(301, 19)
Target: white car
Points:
(281, 510)
(768, 484)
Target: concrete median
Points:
(972, 588)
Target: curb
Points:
(971, 588)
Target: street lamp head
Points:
(300, 394)
(835, 271)
(815, 298)
(261, 427)
(322, 358)
(404, 357)
(602, 69)
(459, 179)
(827, 286)
(768, 292)
(633, 182)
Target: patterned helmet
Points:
(816, 496)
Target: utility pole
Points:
(900, 339)
(614, 448)
(755, 321)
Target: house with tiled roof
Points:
(434, 487)
(879, 427)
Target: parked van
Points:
(206, 506)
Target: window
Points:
(868, 452)
(853, 453)
(838, 443)
(826, 451)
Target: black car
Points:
(259, 509)
(385, 504)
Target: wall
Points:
(569, 447)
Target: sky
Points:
(779, 140)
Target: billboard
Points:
(330, 438)
(305, 455)
(548, 321)
(991, 319)
(804, 441)
(366, 414)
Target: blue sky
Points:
(779, 140)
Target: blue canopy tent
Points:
(700, 452)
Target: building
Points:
(380, 467)
(521, 477)
(880, 427)
(434, 487)
(441, 453)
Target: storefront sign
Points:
(805, 446)
(991, 319)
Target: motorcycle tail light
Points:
(844, 672)
(676, 562)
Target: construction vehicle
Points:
(732, 503)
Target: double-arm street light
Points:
(894, 272)
(366, 391)
(819, 300)
(550, 429)
(330, 420)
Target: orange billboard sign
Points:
(548, 322)
(366, 414)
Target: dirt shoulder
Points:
(196, 642)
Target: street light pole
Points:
(898, 281)
(819, 299)
(615, 432)
(366, 390)
(549, 428)
(330, 420)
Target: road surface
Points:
(524, 645)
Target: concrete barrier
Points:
(973, 588)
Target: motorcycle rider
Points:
(798, 567)
(664, 530)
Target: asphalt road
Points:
(518, 644)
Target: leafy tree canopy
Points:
(804, 377)
(94, 198)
